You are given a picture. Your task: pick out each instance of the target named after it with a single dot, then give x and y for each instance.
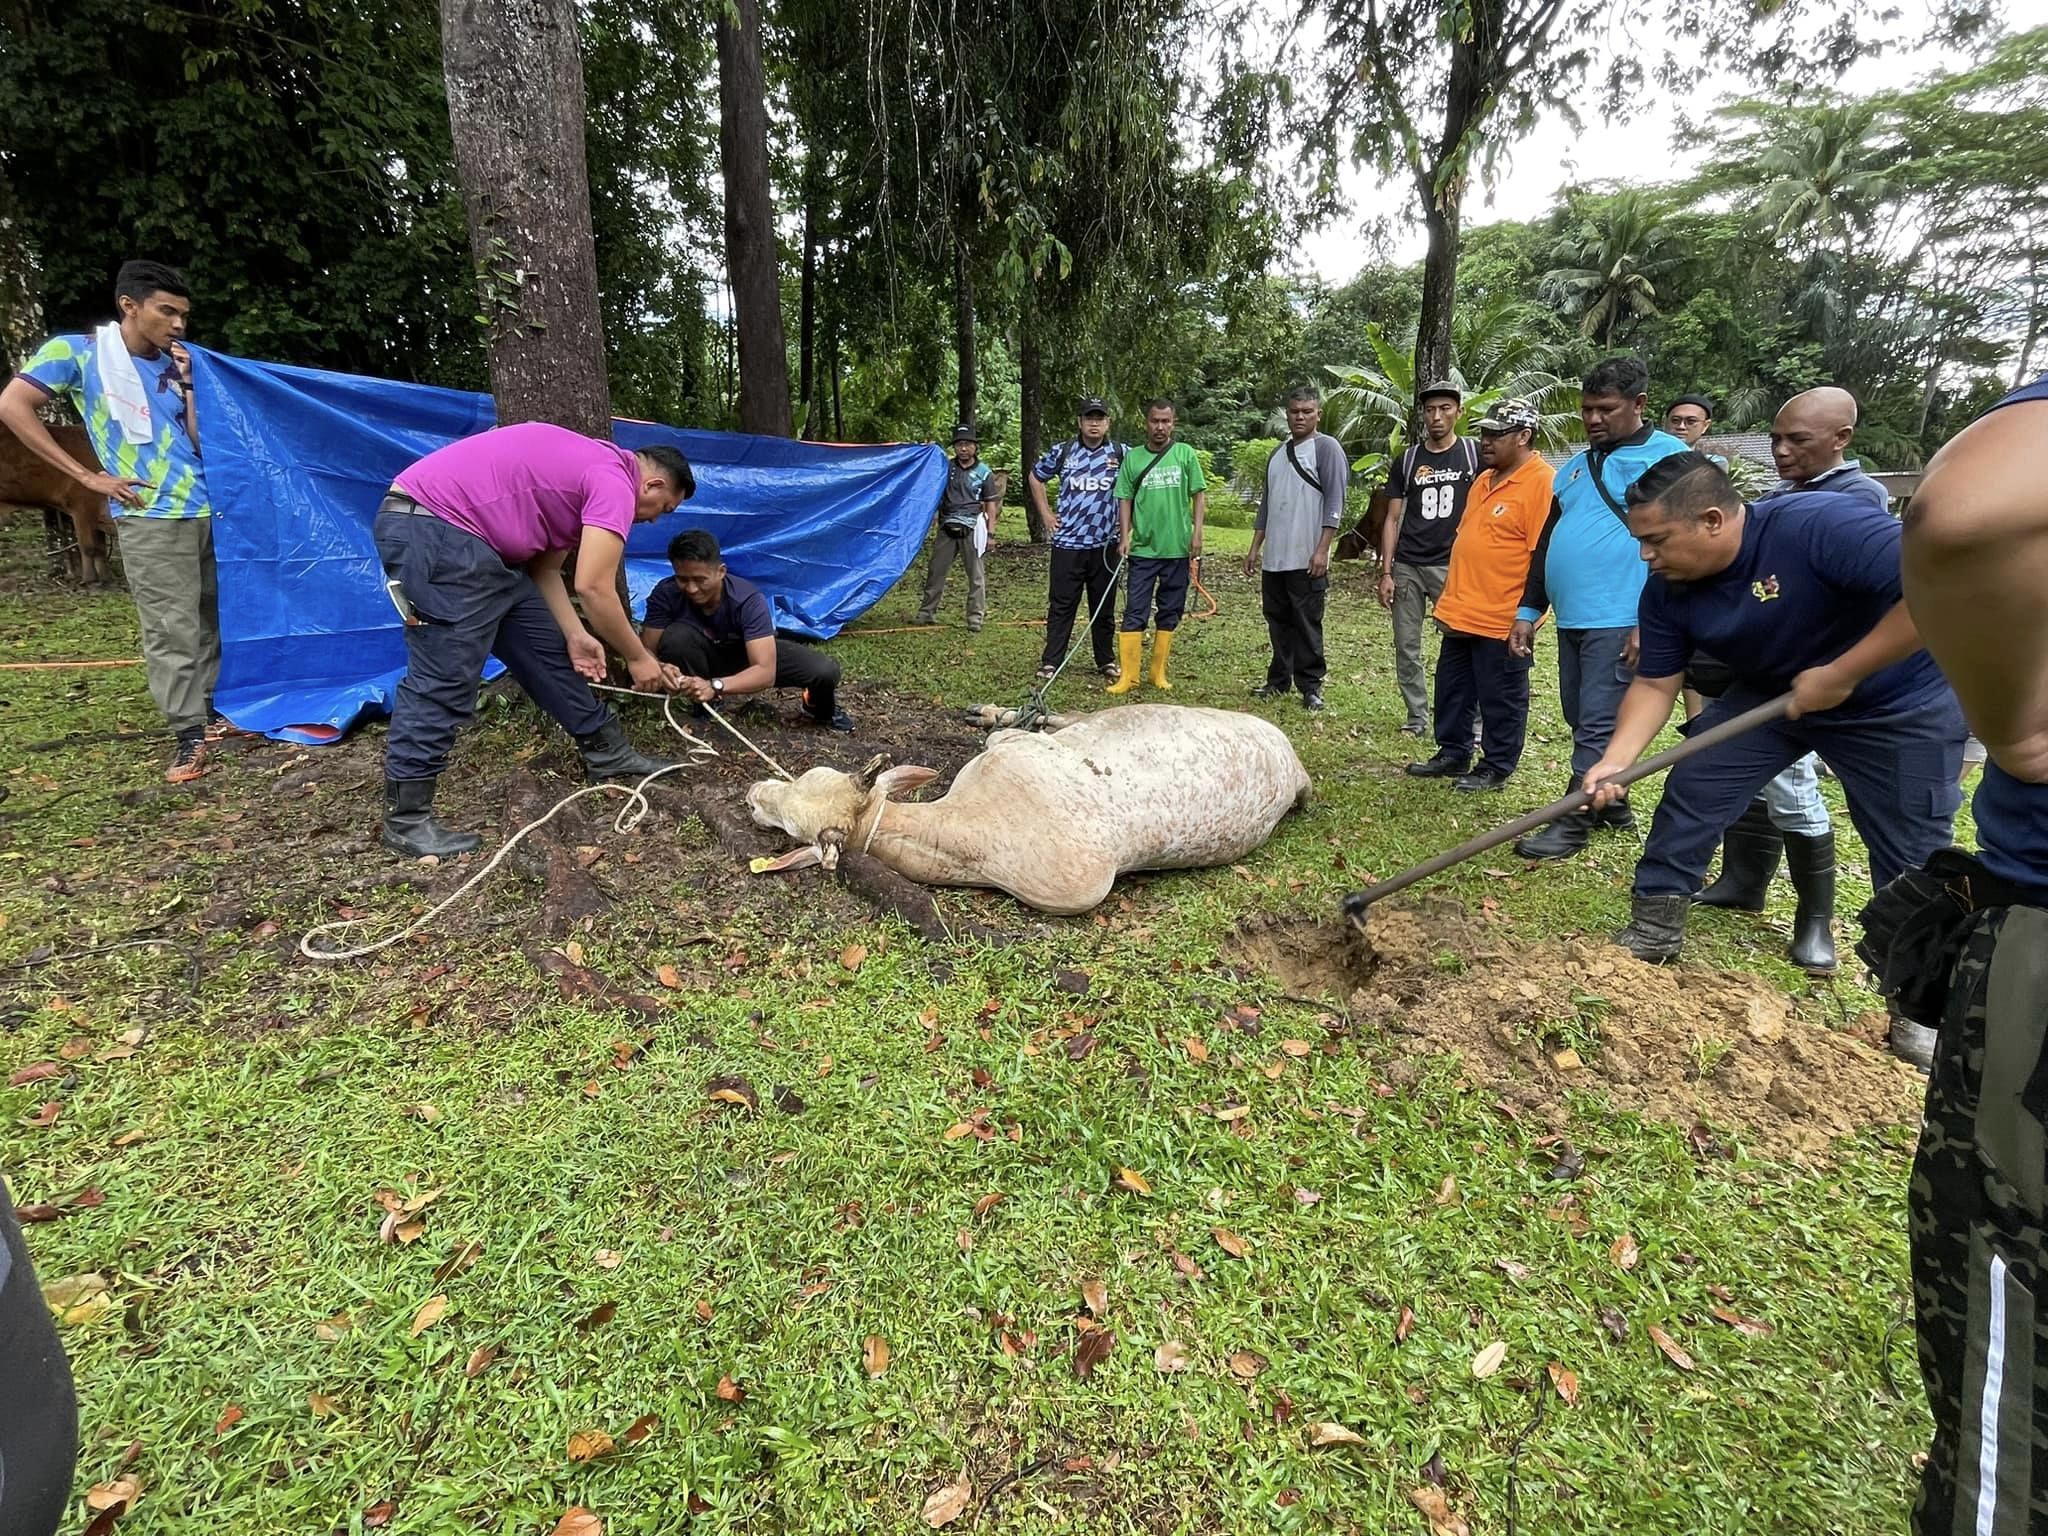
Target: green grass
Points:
(276, 1107)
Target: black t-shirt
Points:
(742, 614)
(1433, 488)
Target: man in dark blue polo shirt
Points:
(1084, 537)
(719, 629)
(1810, 445)
(1976, 565)
(1798, 593)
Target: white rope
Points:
(630, 816)
(669, 699)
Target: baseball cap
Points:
(1509, 415)
(966, 434)
(1094, 405)
(1440, 387)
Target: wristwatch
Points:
(718, 686)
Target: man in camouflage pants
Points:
(1963, 945)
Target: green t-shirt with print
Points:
(1163, 511)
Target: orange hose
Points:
(1195, 577)
(58, 666)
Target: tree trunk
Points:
(807, 334)
(963, 325)
(1031, 411)
(1443, 198)
(750, 248)
(515, 107)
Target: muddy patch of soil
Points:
(1685, 1046)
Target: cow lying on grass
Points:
(1054, 817)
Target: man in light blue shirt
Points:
(1589, 570)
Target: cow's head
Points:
(824, 807)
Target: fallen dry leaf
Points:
(874, 1354)
(1447, 1192)
(642, 1427)
(1170, 1357)
(589, 1444)
(948, 1503)
(480, 1361)
(1188, 1268)
(121, 1490)
(36, 1072)
(1230, 1242)
(668, 976)
(1131, 1181)
(1196, 1049)
(465, 1254)
(578, 1521)
(734, 1090)
(1488, 1360)
(599, 1316)
(333, 1328)
(703, 1310)
(1091, 1351)
(1624, 1252)
(1307, 1197)
(731, 1391)
(1673, 1351)
(1437, 1510)
(320, 1404)
(1615, 1324)
(850, 958)
(607, 1258)
(1405, 1326)
(1566, 1380)
(1245, 1364)
(1735, 1320)
(1295, 1048)
(45, 1117)
(987, 1203)
(1095, 1297)
(75, 1047)
(229, 1418)
(1333, 1434)
(379, 1514)
(431, 1312)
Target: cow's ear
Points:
(901, 781)
(797, 858)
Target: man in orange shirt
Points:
(1477, 677)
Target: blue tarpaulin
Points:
(297, 460)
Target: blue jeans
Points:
(1793, 799)
(1898, 773)
(474, 605)
(1591, 678)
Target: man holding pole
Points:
(1796, 594)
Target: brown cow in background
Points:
(27, 481)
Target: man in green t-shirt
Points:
(1161, 498)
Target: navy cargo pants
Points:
(1898, 773)
(473, 605)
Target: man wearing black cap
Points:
(1427, 486)
(1084, 537)
(967, 524)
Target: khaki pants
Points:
(169, 565)
(1415, 588)
(945, 550)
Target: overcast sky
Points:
(1552, 157)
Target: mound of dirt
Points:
(1685, 1046)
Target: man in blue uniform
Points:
(1084, 537)
(1798, 593)
(1586, 568)
(1810, 445)
(1964, 945)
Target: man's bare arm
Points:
(1976, 567)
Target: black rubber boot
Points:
(1812, 863)
(1657, 931)
(411, 828)
(1560, 840)
(1749, 857)
(1439, 767)
(607, 754)
(1618, 817)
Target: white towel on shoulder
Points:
(121, 385)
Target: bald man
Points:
(1809, 443)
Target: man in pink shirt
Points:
(473, 539)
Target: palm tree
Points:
(1609, 260)
(1818, 174)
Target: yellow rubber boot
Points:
(1162, 647)
(1130, 650)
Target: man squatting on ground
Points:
(1478, 679)
(718, 630)
(1588, 569)
(1428, 487)
(1084, 538)
(475, 535)
(131, 384)
(1300, 510)
(1161, 499)
(1964, 946)
(1797, 593)
(971, 492)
